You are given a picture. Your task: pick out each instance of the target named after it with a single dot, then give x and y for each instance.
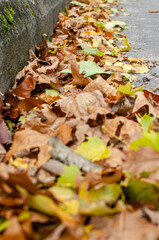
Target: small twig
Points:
(67, 156)
(113, 135)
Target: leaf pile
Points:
(79, 144)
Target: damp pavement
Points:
(143, 36)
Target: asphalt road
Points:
(143, 35)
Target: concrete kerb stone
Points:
(22, 23)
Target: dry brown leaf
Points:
(141, 101)
(27, 140)
(125, 129)
(78, 105)
(5, 134)
(78, 78)
(53, 64)
(49, 114)
(29, 68)
(14, 231)
(29, 103)
(153, 11)
(83, 130)
(143, 160)
(116, 158)
(126, 225)
(2, 152)
(64, 132)
(100, 84)
(24, 89)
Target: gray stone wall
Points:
(22, 24)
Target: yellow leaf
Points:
(70, 207)
(93, 149)
(47, 206)
(127, 47)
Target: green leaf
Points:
(89, 68)
(146, 122)
(9, 124)
(150, 139)
(127, 89)
(93, 149)
(69, 175)
(46, 205)
(146, 174)
(24, 216)
(4, 225)
(101, 25)
(142, 192)
(102, 200)
(91, 51)
(22, 119)
(52, 92)
(66, 71)
(33, 115)
(79, 4)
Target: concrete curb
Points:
(22, 24)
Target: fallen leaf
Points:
(153, 11)
(142, 192)
(97, 201)
(13, 231)
(2, 152)
(148, 139)
(78, 78)
(24, 89)
(100, 84)
(69, 175)
(93, 149)
(64, 132)
(126, 225)
(25, 140)
(5, 136)
(128, 90)
(46, 205)
(146, 122)
(141, 101)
